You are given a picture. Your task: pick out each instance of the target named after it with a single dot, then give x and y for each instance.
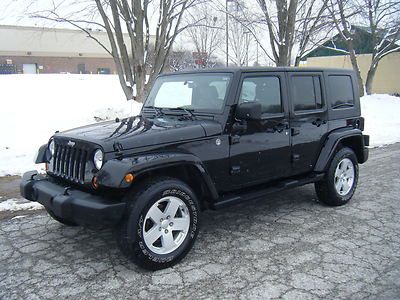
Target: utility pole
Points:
(226, 33)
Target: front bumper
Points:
(68, 203)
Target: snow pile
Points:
(33, 107)
(382, 119)
(19, 204)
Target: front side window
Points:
(202, 92)
(306, 92)
(266, 90)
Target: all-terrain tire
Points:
(154, 197)
(333, 190)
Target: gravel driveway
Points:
(287, 246)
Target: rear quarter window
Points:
(341, 88)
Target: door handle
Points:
(281, 127)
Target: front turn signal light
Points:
(129, 178)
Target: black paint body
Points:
(226, 156)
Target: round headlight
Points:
(51, 147)
(98, 159)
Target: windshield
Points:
(197, 92)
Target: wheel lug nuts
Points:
(171, 224)
(159, 229)
(161, 219)
(166, 230)
(168, 217)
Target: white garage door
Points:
(29, 68)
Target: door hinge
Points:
(234, 139)
(294, 131)
(235, 170)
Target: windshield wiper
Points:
(186, 110)
(343, 105)
(158, 110)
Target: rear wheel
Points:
(340, 181)
(161, 223)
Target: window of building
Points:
(103, 71)
(307, 93)
(341, 89)
(81, 69)
(266, 90)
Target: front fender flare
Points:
(113, 172)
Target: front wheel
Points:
(340, 181)
(161, 223)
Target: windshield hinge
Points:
(118, 149)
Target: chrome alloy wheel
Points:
(344, 176)
(166, 225)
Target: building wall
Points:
(54, 50)
(61, 64)
(387, 77)
(58, 42)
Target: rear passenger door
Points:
(308, 119)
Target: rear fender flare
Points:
(332, 141)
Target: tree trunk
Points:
(370, 78)
(297, 61)
(140, 83)
(354, 63)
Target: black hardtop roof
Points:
(261, 69)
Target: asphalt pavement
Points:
(286, 246)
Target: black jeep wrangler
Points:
(204, 139)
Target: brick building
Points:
(53, 50)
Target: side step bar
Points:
(254, 194)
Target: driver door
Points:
(260, 149)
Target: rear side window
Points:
(341, 89)
(266, 90)
(307, 92)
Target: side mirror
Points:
(248, 111)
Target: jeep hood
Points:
(136, 132)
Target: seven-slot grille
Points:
(69, 162)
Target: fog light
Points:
(129, 177)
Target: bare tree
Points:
(131, 56)
(312, 28)
(180, 60)
(281, 30)
(383, 23)
(238, 44)
(342, 11)
(293, 27)
(208, 35)
(239, 32)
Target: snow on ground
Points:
(19, 204)
(382, 119)
(33, 107)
